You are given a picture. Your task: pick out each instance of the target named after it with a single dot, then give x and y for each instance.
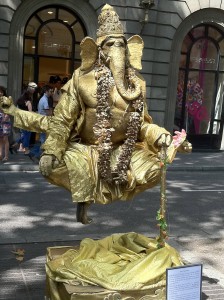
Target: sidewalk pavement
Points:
(198, 161)
(195, 161)
(27, 280)
(19, 162)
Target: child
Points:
(5, 130)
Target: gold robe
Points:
(77, 171)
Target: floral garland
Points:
(178, 140)
(103, 130)
(161, 213)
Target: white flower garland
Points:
(103, 130)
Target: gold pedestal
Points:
(62, 291)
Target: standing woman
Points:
(5, 130)
(25, 103)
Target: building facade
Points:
(183, 57)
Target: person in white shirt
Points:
(43, 107)
(57, 90)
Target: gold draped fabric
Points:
(80, 165)
(120, 262)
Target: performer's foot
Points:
(81, 213)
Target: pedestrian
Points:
(5, 130)
(43, 107)
(57, 90)
(51, 101)
(25, 103)
(45, 110)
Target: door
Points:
(199, 102)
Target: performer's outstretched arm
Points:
(24, 119)
(62, 124)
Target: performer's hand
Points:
(46, 164)
(164, 140)
(7, 106)
(185, 147)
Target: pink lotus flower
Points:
(179, 137)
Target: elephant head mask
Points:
(111, 48)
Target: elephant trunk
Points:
(128, 88)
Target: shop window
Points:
(203, 55)
(55, 40)
(66, 17)
(52, 44)
(31, 28)
(46, 14)
(186, 44)
(199, 102)
(29, 47)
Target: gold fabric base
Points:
(121, 266)
(68, 292)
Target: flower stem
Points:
(161, 213)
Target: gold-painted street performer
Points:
(101, 143)
(103, 146)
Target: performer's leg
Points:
(81, 213)
(146, 168)
(60, 177)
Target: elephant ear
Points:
(89, 53)
(135, 47)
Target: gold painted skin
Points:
(70, 160)
(120, 109)
(70, 151)
(71, 140)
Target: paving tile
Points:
(26, 280)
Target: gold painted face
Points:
(112, 42)
(90, 49)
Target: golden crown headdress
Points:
(109, 23)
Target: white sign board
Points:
(184, 282)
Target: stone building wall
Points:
(165, 17)
(7, 9)
(159, 35)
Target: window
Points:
(199, 101)
(52, 44)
